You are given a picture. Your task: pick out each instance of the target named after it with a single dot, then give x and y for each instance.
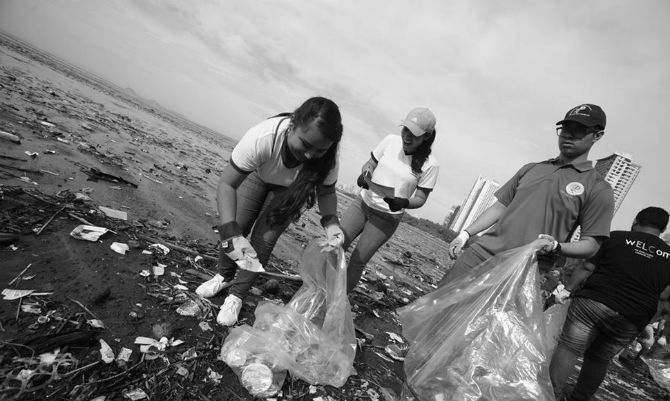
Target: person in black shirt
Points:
(621, 288)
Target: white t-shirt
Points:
(260, 150)
(394, 169)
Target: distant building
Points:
(480, 198)
(450, 216)
(620, 172)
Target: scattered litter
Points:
(31, 154)
(28, 180)
(214, 376)
(82, 197)
(124, 356)
(49, 152)
(165, 250)
(47, 124)
(189, 354)
(312, 389)
(182, 371)
(136, 394)
(396, 352)
(119, 247)
(145, 273)
(88, 233)
(204, 326)
(10, 294)
(395, 337)
(159, 269)
(106, 353)
(59, 139)
(113, 213)
(193, 308)
(31, 308)
(180, 287)
(96, 323)
(10, 137)
(94, 174)
(374, 396)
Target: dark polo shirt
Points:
(550, 198)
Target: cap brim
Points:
(581, 120)
(413, 128)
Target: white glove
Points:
(561, 295)
(456, 245)
(334, 235)
(545, 244)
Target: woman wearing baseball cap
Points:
(400, 175)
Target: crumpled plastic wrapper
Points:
(312, 337)
(481, 337)
(659, 366)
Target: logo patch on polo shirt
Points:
(574, 188)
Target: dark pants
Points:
(253, 197)
(595, 331)
(374, 228)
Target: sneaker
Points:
(211, 287)
(230, 310)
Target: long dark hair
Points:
(302, 192)
(421, 153)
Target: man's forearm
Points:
(488, 218)
(582, 249)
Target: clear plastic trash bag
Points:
(480, 337)
(659, 366)
(312, 336)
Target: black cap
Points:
(586, 114)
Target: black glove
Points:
(361, 182)
(396, 204)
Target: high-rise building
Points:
(480, 198)
(620, 172)
(451, 215)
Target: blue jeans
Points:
(253, 196)
(595, 331)
(374, 228)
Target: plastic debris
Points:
(135, 394)
(113, 213)
(106, 353)
(96, 323)
(312, 336)
(395, 337)
(159, 269)
(119, 247)
(204, 326)
(10, 137)
(182, 371)
(214, 376)
(191, 308)
(124, 356)
(10, 294)
(88, 233)
(160, 247)
(31, 154)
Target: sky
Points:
(498, 75)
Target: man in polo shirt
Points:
(551, 197)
